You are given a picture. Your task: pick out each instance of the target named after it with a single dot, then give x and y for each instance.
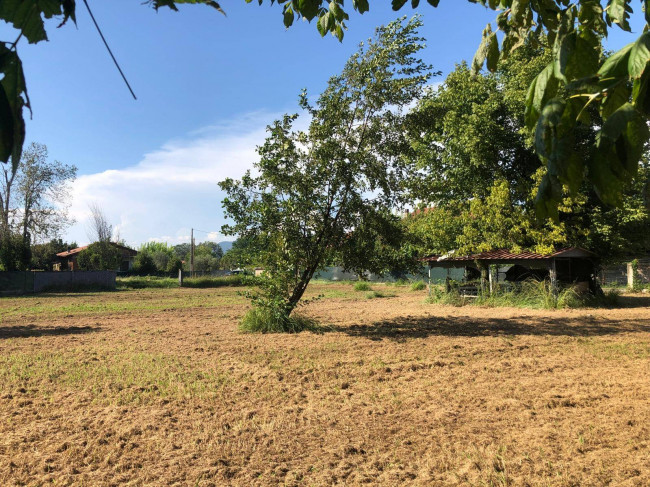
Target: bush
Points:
(374, 294)
(362, 286)
(418, 286)
(15, 253)
(144, 264)
(262, 320)
(100, 256)
(402, 282)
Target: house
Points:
(68, 259)
(566, 266)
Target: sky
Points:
(206, 86)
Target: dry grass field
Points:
(157, 387)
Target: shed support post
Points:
(552, 272)
(630, 275)
(484, 278)
(492, 279)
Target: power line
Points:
(109, 49)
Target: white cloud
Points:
(174, 188)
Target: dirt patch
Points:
(157, 387)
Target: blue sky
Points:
(207, 86)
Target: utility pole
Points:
(192, 254)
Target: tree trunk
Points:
(300, 288)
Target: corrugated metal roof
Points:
(507, 255)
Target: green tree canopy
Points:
(328, 189)
(577, 76)
(480, 173)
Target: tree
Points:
(316, 190)
(100, 256)
(181, 250)
(44, 255)
(42, 194)
(99, 229)
(579, 75)
(33, 203)
(245, 251)
(480, 173)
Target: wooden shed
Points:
(566, 266)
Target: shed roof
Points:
(504, 255)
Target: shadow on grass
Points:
(634, 301)
(28, 331)
(401, 329)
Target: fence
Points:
(22, 282)
(336, 273)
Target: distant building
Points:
(68, 259)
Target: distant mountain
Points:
(225, 246)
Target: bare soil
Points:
(157, 387)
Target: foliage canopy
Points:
(329, 190)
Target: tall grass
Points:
(259, 320)
(527, 294)
(418, 286)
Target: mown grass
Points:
(124, 377)
(122, 301)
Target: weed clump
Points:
(261, 320)
(418, 286)
(362, 286)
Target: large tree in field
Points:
(34, 200)
(480, 172)
(331, 187)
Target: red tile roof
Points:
(70, 252)
(507, 255)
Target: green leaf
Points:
(616, 96)
(288, 17)
(433, 3)
(483, 50)
(492, 52)
(309, 9)
(615, 66)
(397, 4)
(323, 24)
(361, 6)
(543, 88)
(639, 55)
(618, 12)
(641, 93)
(6, 127)
(13, 84)
(339, 32)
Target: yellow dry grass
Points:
(156, 387)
